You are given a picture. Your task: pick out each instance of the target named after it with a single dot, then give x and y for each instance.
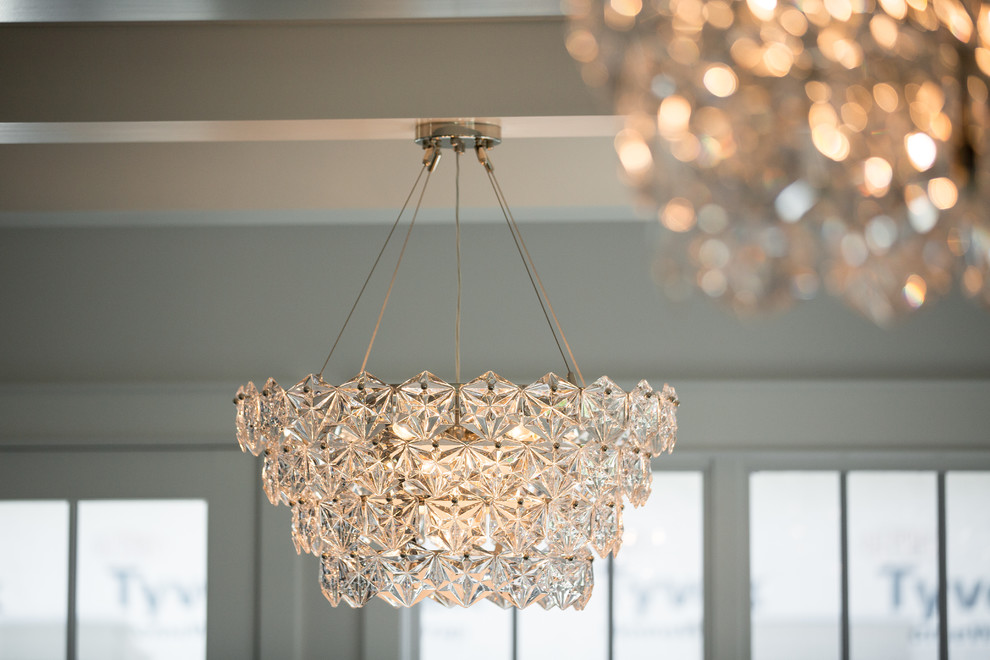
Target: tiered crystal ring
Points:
(456, 492)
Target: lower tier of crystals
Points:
(509, 580)
(456, 492)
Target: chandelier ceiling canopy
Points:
(457, 491)
(791, 147)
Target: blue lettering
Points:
(929, 599)
(124, 576)
(897, 575)
(968, 601)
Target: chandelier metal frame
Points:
(457, 491)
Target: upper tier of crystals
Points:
(456, 492)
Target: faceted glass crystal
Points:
(456, 493)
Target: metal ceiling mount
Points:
(452, 133)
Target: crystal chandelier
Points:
(791, 146)
(457, 491)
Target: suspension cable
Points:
(412, 223)
(527, 260)
(374, 266)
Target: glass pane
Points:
(893, 565)
(658, 573)
(141, 579)
(481, 632)
(34, 579)
(967, 520)
(795, 577)
(571, 634)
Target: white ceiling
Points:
(200, 202)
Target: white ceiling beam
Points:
(285, 130)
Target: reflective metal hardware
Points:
(445, 133)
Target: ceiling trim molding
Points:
(284, 130)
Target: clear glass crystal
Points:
(456, 493)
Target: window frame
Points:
(726, 621)
(939, 463)
(227, 485)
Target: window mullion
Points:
(70, 617)
(727, 584)
(844, 565)
(515, 633)
(943, 574)
(610, 632)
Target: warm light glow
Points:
(720, 80)
(762, 9)
(836, 46)
(794, 22)
(877, 175)
(685, 148)
(915, 290)
(778, 60)
(828, 139)
(841, 10)
(884, 31)
(943, 193)
(673, 116)
(678, 215)
(972, 281)
(719, 14)
(817, 91)
(627, 7)
(634, 153)
(582, 45)
(921, 150)
(896, 8)
(886, 97)
(954, 17)
(922, 214)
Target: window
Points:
(887, 528)
(794, 565)
(967, 495)
(835, 564)
(216, 497)
(34, 579)
(658, 597)
(450, 632)
(141, 579)
(139, 573)
(647, 603)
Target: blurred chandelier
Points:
(791, 145)
(456, 491)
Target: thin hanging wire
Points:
(530, 265)
(457, 233)
(373, 266)
(398, 263)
